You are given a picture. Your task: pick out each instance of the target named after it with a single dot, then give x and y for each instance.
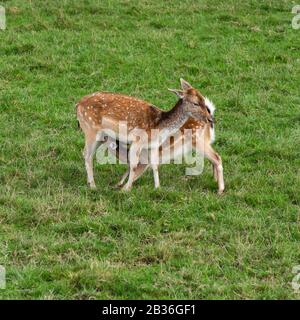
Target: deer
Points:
(101, 112)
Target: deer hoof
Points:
(93, 186)
(126, 188)
(221, 191)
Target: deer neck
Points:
(171, 121)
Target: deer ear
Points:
(185, 85)
(179, 93)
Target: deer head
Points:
(193, 103)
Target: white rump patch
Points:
(210, 105)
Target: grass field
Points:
(58, 239)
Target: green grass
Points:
(58, 239)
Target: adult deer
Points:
(101, 113)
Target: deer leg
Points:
(123, 156)
(134, 156)
(140, 169)
(216, 161)
(215, 172)
(156, 175)
(91, 145)
(125, 175)
(213, 156)
(130, 181)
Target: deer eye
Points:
(196, 104)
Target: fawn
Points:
(100, 113)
